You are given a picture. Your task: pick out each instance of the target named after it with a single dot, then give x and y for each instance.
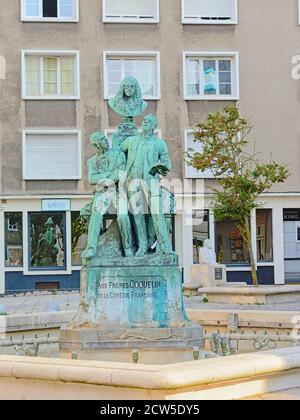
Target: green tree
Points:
(242, 178)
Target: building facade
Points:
(61, 60)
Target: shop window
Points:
(200, 232)
(47, 241)
(13, 240)
(264, 235)
(79, 237)
(230, 247)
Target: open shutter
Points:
(51, 156)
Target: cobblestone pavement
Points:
(68, 301)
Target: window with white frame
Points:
(131, 11)
(211, 76)
(190, 171)
(50, 75)
(142, 66)
(51, 155)
(50, 10)
(209, 11)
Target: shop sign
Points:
(56, 205)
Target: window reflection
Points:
(47, 240)
(13, 240)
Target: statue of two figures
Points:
(131, 284)
(128, 187)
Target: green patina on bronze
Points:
(131, 277)
(143, 215)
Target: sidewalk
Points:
(38, 302)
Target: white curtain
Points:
(67, 75)
(32, 75)
(66, 8)
(50, 75)
(32, 8)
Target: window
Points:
(211, 76)
(230, 247)
(79, 237)
(298, 232)
(191, 172)
(50, 75)
(47, 241)
(264, 235)
(13, 240)
(51, 155)
(200, 232)
(50, 10)
(131, 11)
(209, 11)
(145, 67)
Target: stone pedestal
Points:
(152, 345)
(128, 308)
(204, 275)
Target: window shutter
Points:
(208, 8)
(115, 8)
(51, 156)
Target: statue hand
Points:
(159, 169)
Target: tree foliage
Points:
(242, 178)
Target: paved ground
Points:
(33, 303)
(68, 301)
(196, 302)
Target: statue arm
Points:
(95, 178)
(120, 167)
(165, 157)
(114, 175)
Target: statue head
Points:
(128, 101)
(149, 124)
(99, 140)
(49, 223)
(208, 244)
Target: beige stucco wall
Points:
(267, 37)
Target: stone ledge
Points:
(246, 318)
(168, 377)
(35, 321)
(249, 291)
(252, 295)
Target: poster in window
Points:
(210, 80)
(15, 256)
